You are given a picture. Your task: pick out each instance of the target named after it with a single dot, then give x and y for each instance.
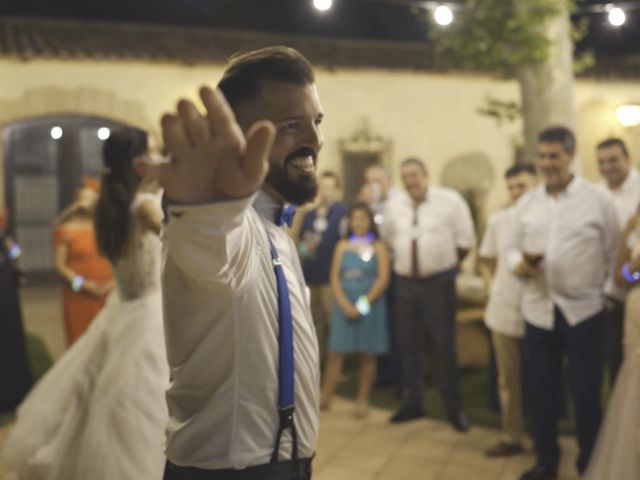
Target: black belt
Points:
(284, 470)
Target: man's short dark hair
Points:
(247, 71)
(561, 135)
(518, 168)
(331, 174)
(414, 161)
(612, 142)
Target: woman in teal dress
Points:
(359, 278)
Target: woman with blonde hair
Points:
(86, 273)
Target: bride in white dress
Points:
(99, 413)
(616, 455)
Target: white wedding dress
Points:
(99, 413)
(616, 455)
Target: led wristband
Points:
(77, 282)
(14, 252)
(630, 276)
(363, 306)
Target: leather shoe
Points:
(539, 472)
(459, 422)
(407, 413)
(504, 449)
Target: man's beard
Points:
(297, 191)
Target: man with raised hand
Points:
(242, 348)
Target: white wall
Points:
(433, 116)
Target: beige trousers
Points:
(509, 362)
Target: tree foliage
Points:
(497, 35)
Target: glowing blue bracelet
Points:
(363, 306)
(630, 276)
(15, 251)
(77, 282)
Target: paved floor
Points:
(349, 448)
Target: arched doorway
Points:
(45, 161)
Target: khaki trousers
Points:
(509, 362)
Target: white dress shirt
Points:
(503, 313)
(579, 235)
(221, 326)
(626, 199)
(444, 226)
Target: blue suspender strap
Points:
(285, 369)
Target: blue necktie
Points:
(286, 395)
(286, 215)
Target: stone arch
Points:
(95, 102)
(47, 101)
(473, 175)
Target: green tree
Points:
(527, 40)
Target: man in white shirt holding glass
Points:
(563, 243)
(503, 314)
(621, 182)
(430, 231)
(242, 348)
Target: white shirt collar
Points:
(568, 190)
(267, 207)
(629, 182)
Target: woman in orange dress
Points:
(86, 273)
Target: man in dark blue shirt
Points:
(321, 229)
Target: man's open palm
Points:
(211, 158)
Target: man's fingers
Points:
(174, 136)
(222, 120)
(195, 125)
(256, 156)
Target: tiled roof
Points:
(29, 38)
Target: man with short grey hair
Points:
(563, 245)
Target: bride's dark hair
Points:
(118, 187)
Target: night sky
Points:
(347, 19)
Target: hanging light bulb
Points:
(617, 17)
(322, 5)
(103, 133)
(443, 15)
(56, 133)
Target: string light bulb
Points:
(103, 133)
(443, 15)
(616, 16)
(322, 5)
(56, 133)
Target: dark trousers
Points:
(389, 371)
(284, 470)
(546, 350)
(428, 306)
(613, 332)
